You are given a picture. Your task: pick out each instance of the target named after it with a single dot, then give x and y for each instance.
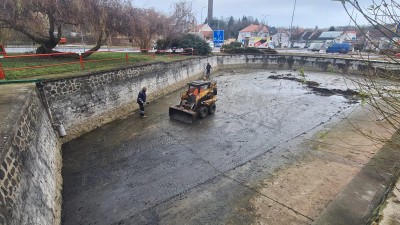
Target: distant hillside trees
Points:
(231, 25)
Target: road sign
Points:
(219, 36)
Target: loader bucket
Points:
(181, 114)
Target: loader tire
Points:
(212, 108)
(203, 111)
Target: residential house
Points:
(303, 38)
(329, 37)
(300, 39)
(280, 39)
(254, 36)
(204, 31)
(314, 38)
(381, 39)
(272, 31)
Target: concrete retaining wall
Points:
(84, 103)
(87, 102)
(308, 63)
(30, 173)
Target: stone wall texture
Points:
(308, 63)
(30, 173)
(84, 103)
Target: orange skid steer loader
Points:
(197, 102)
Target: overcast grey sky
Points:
(308, 13)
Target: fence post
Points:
(81, 61)
(126, 57)
(192, 52)
(2, 73)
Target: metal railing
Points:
(71, 61)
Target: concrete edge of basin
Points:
(360, 200)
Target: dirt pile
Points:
(314, 86)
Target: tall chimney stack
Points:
(210, 11)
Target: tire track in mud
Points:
(282, 110)
(224, 173)
(221, 173)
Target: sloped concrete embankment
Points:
(30, 173)
(308, 63)
(360, 201)
(87, 102)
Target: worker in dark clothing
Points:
(141, 100)
(208, 69)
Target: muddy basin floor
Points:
(157, 171)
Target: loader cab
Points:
(199, 91)
(198, 87)
(197, 101)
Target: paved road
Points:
(66, 48)
(79, 48)
(158, 171)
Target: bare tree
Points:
(382, 94)
(179, 22)
(4, 35)
(44, 21)
(104, 18)
(145, 26)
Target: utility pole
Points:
(265, 20)
(202, 21)
(291, 24)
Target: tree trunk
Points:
(47, 47)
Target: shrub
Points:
(246, 50)
(235, 48)
(236, 44)
(269, 51)
(185, 41)
(239, 50)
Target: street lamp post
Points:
(202, 13)
(265, 21)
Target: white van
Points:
(315, 47)
(211, 44)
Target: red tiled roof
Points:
(255, 28)
(207, 33)
(198, 27)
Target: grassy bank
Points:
(48, 66)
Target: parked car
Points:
(397, 55)
(315, 47)
(211, 44)
(338, 48)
